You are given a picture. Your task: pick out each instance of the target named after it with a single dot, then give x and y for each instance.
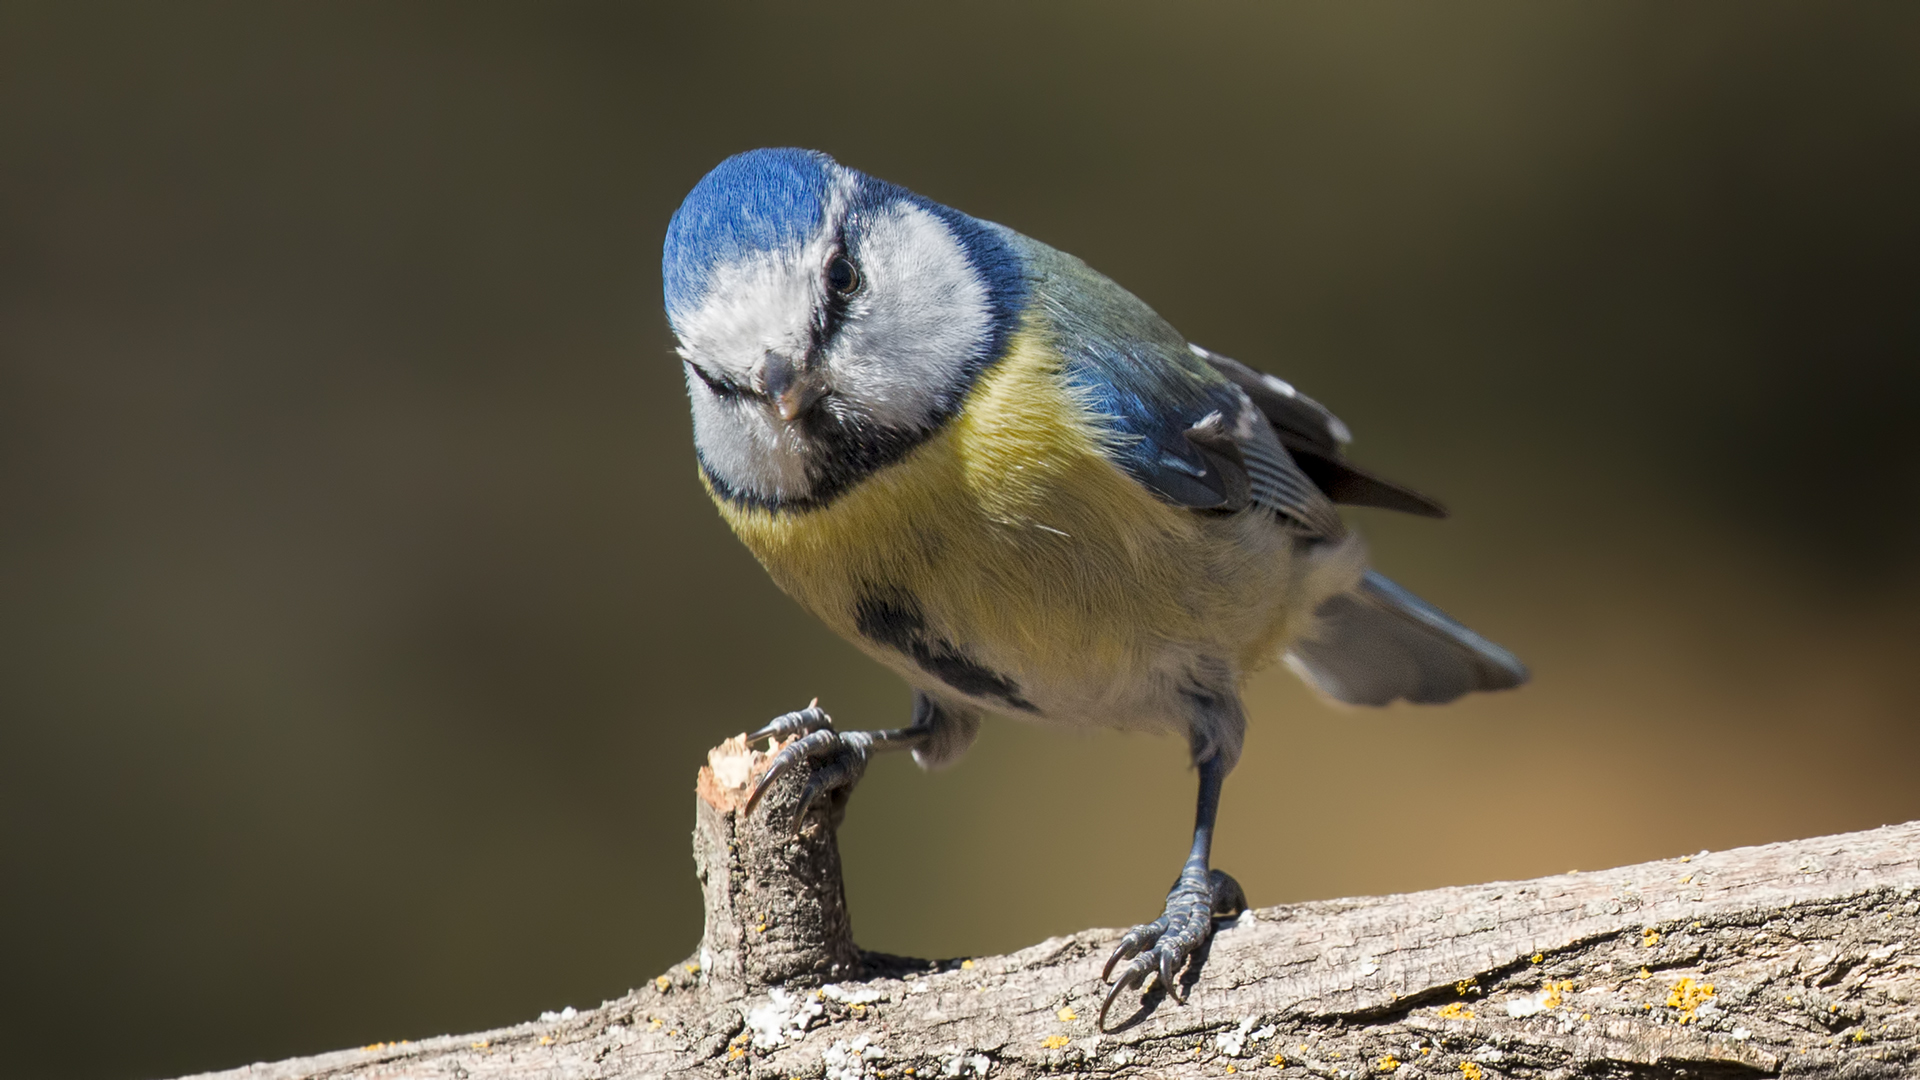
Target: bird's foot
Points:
(838, 759)
(1163, 946)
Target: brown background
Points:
(362, 622)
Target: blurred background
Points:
(362, 623)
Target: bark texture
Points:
(1798, 959)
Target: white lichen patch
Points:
(782, 1014)
(851, 1059)
(1233, 1041)
(864, 996)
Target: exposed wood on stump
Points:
(775, 903)
(1796, 959)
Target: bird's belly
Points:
(1007, 561)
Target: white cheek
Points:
(745, 447)
(922, 315)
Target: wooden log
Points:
(1795, 959)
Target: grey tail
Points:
(1380, 643)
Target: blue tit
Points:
(1005, 477)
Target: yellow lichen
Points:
(1055, 1042)
(546, 1040)
(1688, 996)
(1278, 1061)
(966, 965)
(736, 1053)
(1453, 1010)
(656, 1022)
(1066, 1014)
(1645, 974)
(1552, 999)
(1466, 986)
(1650, 937)
(1387, 1064)
(692, 969)
(1536, 958)
(663, 984)
(1688, 880)
(1470, 1071)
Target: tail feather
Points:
(1379, 643)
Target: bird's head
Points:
(828, 321)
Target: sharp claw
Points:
(823, 779)
(842, 756)
(799, 722)
(766, 781)
(1166, 976)
(819, 781)
(1164, 947)
(1130, 978)
(790, 755)
(1126, 950)
(1136, 939)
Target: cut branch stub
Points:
(775, 905)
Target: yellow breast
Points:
(1026, 547)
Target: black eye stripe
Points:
(721, 385)
(834, 311)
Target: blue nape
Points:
(761, 200)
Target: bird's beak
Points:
(791, 389)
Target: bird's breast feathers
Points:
(1008, 560)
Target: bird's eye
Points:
(842, 278)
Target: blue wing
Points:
(1183, 430)
(1153, 404)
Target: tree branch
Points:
(1795, 959)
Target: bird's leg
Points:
(838, 758)
(1201, 895)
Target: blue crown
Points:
(761, 200)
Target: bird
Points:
(1005, 477)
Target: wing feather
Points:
(1317, 441)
